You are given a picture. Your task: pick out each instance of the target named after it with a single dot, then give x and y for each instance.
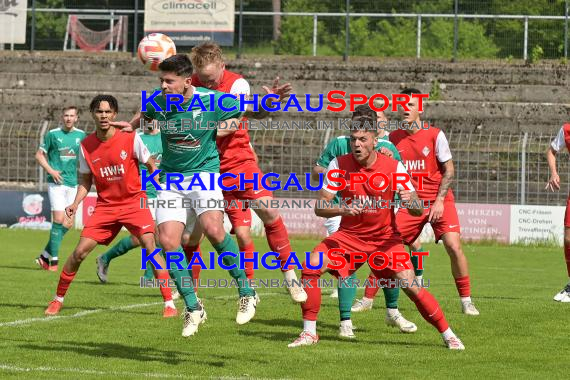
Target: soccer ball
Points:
(155, 48)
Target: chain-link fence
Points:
(459, 29)
(496, 168)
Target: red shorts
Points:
(248, 193)
(106, 222)
(239, 217)
(410, 227)
(350, 243)
(567, 215)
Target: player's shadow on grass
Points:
(23, 306)
(110, 284)
(289, 323)
(271, 336)
(499, 298)
(21, 267)
(121, 351)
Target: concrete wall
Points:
(483, 95)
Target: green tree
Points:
(50, 25)
(297, 31)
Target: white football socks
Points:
(448, 334)
(310, 326)
(391, 313)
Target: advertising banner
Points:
(13, 21)
(21, 209)
(537, 223)
(191, 22)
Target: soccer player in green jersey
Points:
(189, 148)
(346, 294)
(58, 156)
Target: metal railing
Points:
(426, 29)
(490, 167)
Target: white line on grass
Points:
(111, 309)
(8, 367)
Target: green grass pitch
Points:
(116, 329)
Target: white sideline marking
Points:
(7, 367)
(115, 308)
(76, 315)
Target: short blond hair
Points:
(205, 54)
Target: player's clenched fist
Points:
(405, 195)
(352, 209)
(70, 210)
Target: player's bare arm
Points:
(129, 126)
(85, 182)
(411, 197)
(42, 160)
(325, 197)
(316, 171)
(448, 173)
(227, 127)
(151, 164)
(282, 90)
(554, 180)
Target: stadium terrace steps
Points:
(307, 68)
(495, 95)
(447, 91)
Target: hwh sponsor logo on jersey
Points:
(112, 170)
(415, 165)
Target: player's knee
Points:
(168, 242)
(316, 259)
(80, 254)
(67, 223)
(415, 246)
(268, 215)
(59, 219)
(454, 248)
(215, 232)
(411, 291)
(243, 238)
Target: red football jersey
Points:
(114, 165)
(235, 149)
(375, 223)
(424, 151)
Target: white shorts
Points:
(61, 196)
(185, 206)
(332, 224)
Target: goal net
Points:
(79, 35)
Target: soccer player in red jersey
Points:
(111, 159)
(427, 151)
(237, 156)
(562, 140)
(366, 230)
